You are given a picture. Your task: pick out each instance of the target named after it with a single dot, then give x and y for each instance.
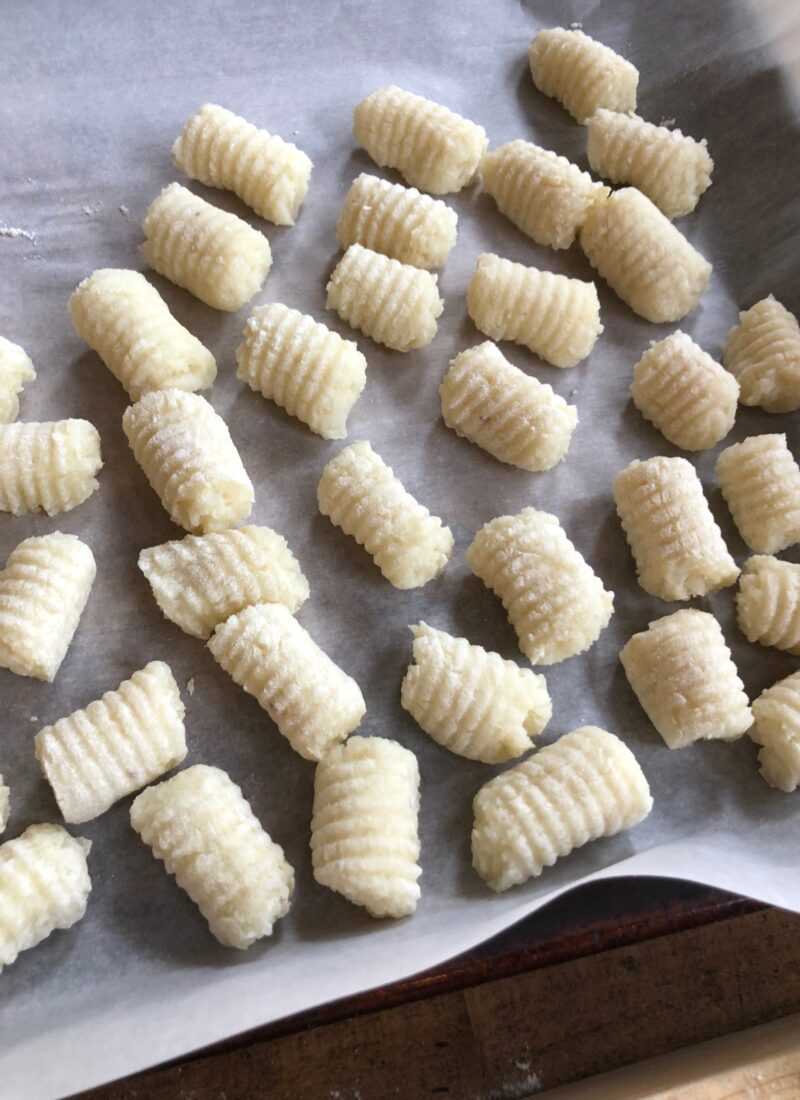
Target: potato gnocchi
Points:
(16, 369)
(214, 255)
(126, 321)
(311, 700)
(690, 398)
(49, 466)
(509, 414)
(760, 481)
(393, 303)
(201, 580)
(543, 194)
(684, 677)
(675, 541)
(580, 73)
(432, 147)
(555, 602)
(360, 493)
(555, 317)
(672, 169)
(471, 700)
(364, 839)
(303, 366)
(43, 590)
(647, 261)
(776, 727)
(587, 784)
(768, 603)
(44, 886)
(763, 353)
(190, 460)
(222, 149)
(202, 828)
(398, 221)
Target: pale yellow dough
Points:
(768, 603)
(763, 353)
(776, 717)
(760, 481)
(16, 369)
(49, 466)
(581, 73)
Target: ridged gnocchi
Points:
(763, 353)
(684, 677)
(581, 73)
(555, 602)
(555, 317)
(760, 481)
(16, 369)
(768, 603)
(776, 727)
(48, 466)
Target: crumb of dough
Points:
(15, 231)
(190, 685)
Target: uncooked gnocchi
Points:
(543, 194)
(43, 590)
(684, 677)
(581, 73)
(763, 353)
(432, 147)
(360, 493)
(222, 149)
(398, 221)
(118, 743)
(555, 602)
(48, 466)
(643, 257)
(768, 603)
(189, 458)
(44, 886)
(760, 481)
(214, 255)
(302, 366)
(689, 397)
(585, 785)
(554, 317)
(395, 304)
(311, 700)
(675, 541)
(511, 415)
(364, 839)
(471, 700)
(16, 369)
(201, 580)
(203, 829)
(776, 718)
(672, 169)
(126, 321)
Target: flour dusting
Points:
(15, 231)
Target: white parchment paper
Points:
(93, 96)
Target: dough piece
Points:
(685, 679)
(398, 221)
(302, 366)
(514, 417)
(763, 353)
(189, 458)
(360, 493)
(311, 700)
(555, 317)
(15, 370)
(776, 714)
(214, 255)
(643, 257)
(203, 829)
(44, 886)
(222, 149)
(364, 839)
(5, 800)
(586, 785)
(43, 590)
(396, 304)
(580, 73)
(49, 465)
(689, 397)
(674, 538)
(201, 580)
(432, 147)
(768, 603)
(554, 600)
(126, 321)
(115, 745)
(672, 169)
(760, 481)
(543, 194)
(472, 701)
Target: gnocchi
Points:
(760, 481)
(16, 369)
(580, 73)
(49, 466)
(763, 353)
(776, 727)
(768, 603)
